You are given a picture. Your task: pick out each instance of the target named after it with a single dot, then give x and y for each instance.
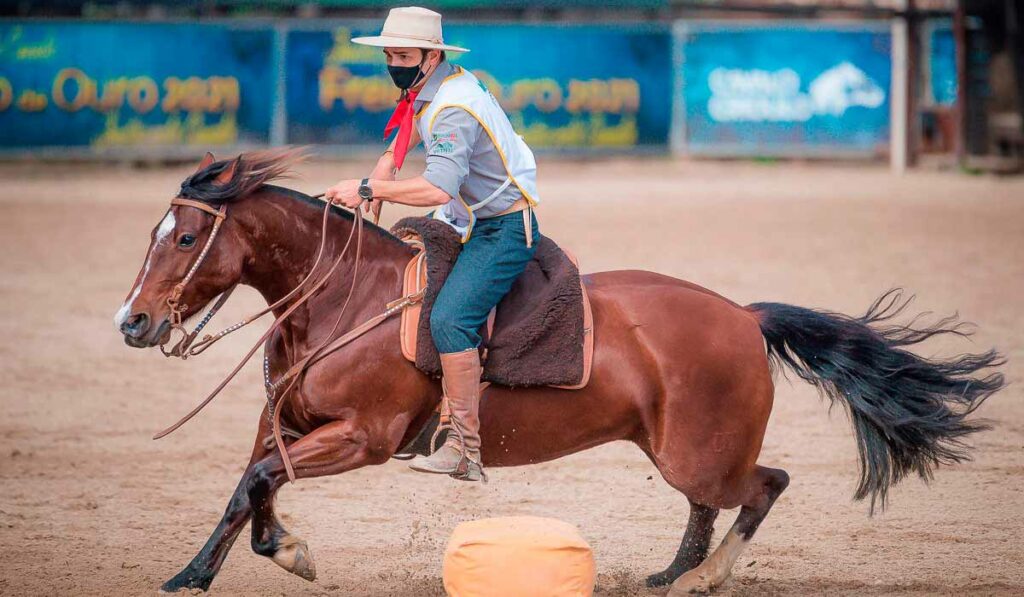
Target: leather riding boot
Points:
(460, 454)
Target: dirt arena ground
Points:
(90, 505)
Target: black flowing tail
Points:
(909, 413)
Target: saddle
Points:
(540, 334)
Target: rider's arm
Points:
(455, 133)
(414, 191)
(411, 191)
(385, 168)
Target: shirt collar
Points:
(434, 82)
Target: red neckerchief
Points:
(402, 118)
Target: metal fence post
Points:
(677, 122)
(279, 120)
(898, 133)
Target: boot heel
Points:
(469, 471)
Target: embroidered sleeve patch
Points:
(443, 142)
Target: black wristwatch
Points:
(365, 192)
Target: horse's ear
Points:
(228, 173)
(207, 160)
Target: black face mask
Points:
(406, 76)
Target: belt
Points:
(523, 205)
(519, 205)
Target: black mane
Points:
(252, 173)
(201, 186)
(249, 171)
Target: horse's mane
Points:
(253, 170)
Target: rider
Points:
(481, 177)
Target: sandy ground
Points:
(90, 505)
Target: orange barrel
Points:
(518, 555)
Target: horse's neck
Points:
(285, 235)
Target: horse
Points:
(681, 372)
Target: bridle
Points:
(185, 348)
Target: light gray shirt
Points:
(461, 158)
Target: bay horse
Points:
(683, 373)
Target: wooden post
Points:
(1014, 22)
(960, 35)
(913, 66)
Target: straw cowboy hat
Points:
(410, 27)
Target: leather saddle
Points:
(540, 334)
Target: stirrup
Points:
(467, 469)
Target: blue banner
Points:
(806, 90)
(940, 66)
(110, 85)
(568, 87)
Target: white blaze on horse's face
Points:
(164, 230)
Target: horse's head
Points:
(178, 242)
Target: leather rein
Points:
(187, 346)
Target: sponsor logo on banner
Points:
(73, 84)
(739, 95)
(339, 93)
(756, 89)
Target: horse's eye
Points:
(186, 240)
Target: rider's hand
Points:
(346, 193)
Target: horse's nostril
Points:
(136, 325)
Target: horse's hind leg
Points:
(694, 547)
(762, 489)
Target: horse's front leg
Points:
(200, 571)
(334, 448)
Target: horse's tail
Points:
(909, 413)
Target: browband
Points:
(217, 213)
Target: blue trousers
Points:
(490, 261)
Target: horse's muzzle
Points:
(139, 333)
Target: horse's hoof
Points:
(693, 581)
(187, 580)
(293, 555)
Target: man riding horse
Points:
(481, 177)
(694, 393)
